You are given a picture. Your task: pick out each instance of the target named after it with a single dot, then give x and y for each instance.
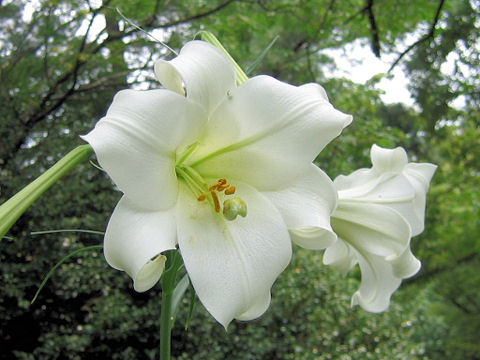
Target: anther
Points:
(230, 190)
(202, 197)
(222, 187)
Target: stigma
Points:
(234, 207)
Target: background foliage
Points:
(62, 61)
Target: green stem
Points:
(165, 328)
(13, 208)
(174, 262)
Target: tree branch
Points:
(354, 15)
(374, 28)
(426, 276)
(460, 306)
(429, 36)
(72, 75)
(197, 16)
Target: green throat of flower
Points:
(219, 195)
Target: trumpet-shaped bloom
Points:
(379, 210)
(223, 172)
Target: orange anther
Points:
(201, 197)
(222, 181)
(222, 187)
(230, 190)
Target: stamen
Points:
(213, 187)
(231, 207)
(215, 201)
(192, 179)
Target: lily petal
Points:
(388, 189)
(233, 264)
(406, 265)
(267, 133)
(203, 69)
(372, 228)
(341, 256)
(378, 238)
(316, 89)
(391, 182)
(137, 139)
(135, 239)
(306, 207)
(381, 277)
(388, 160)
(419, 176)
(378, 283)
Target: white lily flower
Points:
(216, 169)
(379, 210)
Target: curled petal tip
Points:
(149, 274)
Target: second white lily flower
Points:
(203, 146)
(379, 210)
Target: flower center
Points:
(214, 194)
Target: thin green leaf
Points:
(144, 31)
(259, 59)
(67, 230)
(52, 270)
(209, 37)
